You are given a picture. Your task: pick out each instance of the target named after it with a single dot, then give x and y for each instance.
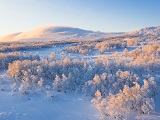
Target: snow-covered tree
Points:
(52, 55)
(40, 82)
(57, 83)
(125, 52)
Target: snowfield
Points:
(99, 78)
(62, 107)
(15, 106)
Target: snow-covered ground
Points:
(15, 106)
(60, 53)
(61, 107)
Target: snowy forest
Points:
(120, 75)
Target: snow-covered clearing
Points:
(15, 106)
(61, 107)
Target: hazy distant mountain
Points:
(147, 32)
(57, 33)
(52, 33)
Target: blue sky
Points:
(97, 15)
